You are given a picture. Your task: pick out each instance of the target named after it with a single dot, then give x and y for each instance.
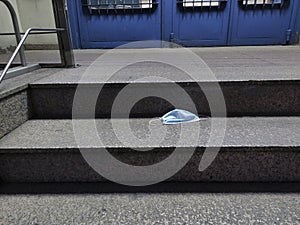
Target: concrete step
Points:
(157, 88)
(260, 81)
(261, 149)
(242, 98)
(266, 208)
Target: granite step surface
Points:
(240, 98)
(174, 208)
(243, 98)
(260, 149)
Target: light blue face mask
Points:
(177, 116)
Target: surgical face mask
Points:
(177, 116)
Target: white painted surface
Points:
(31, 13)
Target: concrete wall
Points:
(32, 13)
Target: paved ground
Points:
(151, 209)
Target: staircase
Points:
(261, 143)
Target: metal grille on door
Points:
(263, 3)
(102, 6)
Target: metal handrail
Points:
(20, 45)
(16, 28)
(22, 33)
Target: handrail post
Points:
(16, 29)
(64, 41)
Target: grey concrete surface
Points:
(246, 73)
(20, 83)
(97, 73)
(14, 112)
(240, 132)
(151, 209)
(163, 187)
(243, 98)
(36, 56)
(256, 81)
(254, 150)
(231, 165)
(227, 64)
(14, 100)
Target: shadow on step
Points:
(167, 187)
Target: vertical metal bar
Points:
(141, 7)
(107, 5)
(115, 6)
(89, 4)
(64, 41)
(99, 6)
(16, 29)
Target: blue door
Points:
(200, 23)
(262, 22)
(110, 23)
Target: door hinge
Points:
(171, 37)
(288, 35)
(297, 39)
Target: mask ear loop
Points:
(154, 120)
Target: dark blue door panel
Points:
(261, 25)
(111, 28)
(201, 26)
(106, 31)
